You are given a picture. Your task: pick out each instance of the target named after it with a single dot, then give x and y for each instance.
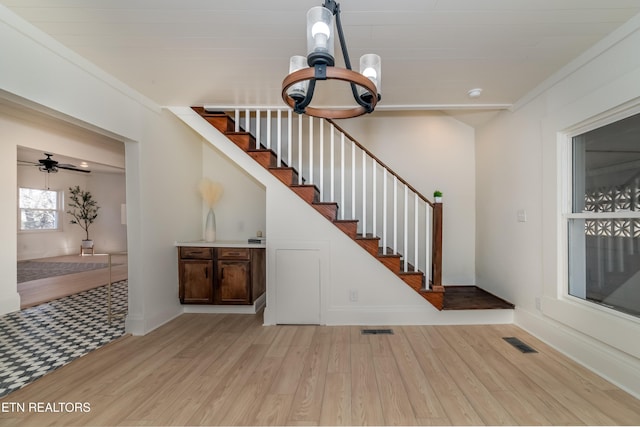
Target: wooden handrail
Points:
(381, 163)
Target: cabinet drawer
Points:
(233, 253)
(195, 253)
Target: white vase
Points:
(210, 227)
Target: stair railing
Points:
(364, 187)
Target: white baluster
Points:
(236, 120)
(268, 129)
(300, 149)
(374, 197)
(384, 209)
(321, 147)
(342, 176)
(247, 120)
(279, 140)
(364, 193)
(289, 136)
(415, 230)
(353, 181)
(395, 215)
(406, 229)
(310, 150)
(258, 136)
(333, 165)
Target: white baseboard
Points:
(138, 326)
(258, 304)
(411, 316)
(613, 365)
(9, 305)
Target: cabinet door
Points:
(233, 284)
(196, 282)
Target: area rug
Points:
(40, 339)
(33, 270)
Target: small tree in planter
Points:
(437, 195)
(84, 211)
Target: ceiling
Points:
(215, 52)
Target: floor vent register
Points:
(519, 345)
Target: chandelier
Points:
(319, 64)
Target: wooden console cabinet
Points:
(221, 275)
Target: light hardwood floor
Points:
(43, 290)
(205, 369)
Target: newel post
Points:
(436, 266)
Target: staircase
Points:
(350, 187)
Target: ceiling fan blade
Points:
(67, 167)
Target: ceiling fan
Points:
(50, 165)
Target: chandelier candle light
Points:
(299, 85)
(211, 193)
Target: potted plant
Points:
(437, 195)
(84, 211)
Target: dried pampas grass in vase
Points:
(211, 193)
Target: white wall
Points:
(241, 211)
(108, 232)
(163, 160)
(431, 151)
(519, 166)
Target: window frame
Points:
(59, 210)
(566, 205)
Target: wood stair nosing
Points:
(370, 244)
(348, 226)
(413, 279)
(436, 298)
(267, 158)
(244, 140)
(307, 192)
(219, 120)
(288, 175)
(392, 262)
(328, 209)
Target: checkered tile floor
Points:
(40, 339)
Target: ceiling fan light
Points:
(370, 67)
(298, 90)
(320, 44)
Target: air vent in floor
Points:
(377, 331)
(519, 345)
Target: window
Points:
(604, 219)
(39, 209)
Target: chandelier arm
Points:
(301, 104)
(343, 43)
(347, 60)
